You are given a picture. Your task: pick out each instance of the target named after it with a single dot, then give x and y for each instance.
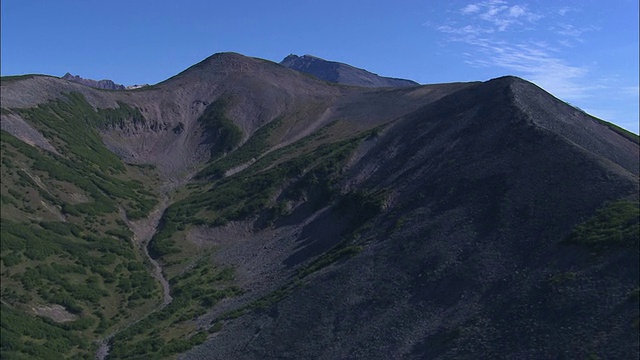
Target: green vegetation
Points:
(65, 241)
(252, 149)
(4, 111)
(30, 337)
(340, 252)
(171, 330)
(89, 165)
(311, 176)
(225, 135)
(12, 78)
(121, 116)
(63, 238)
(69, 123)
(613, 226)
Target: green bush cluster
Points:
(251, 192)
(617, 224)
(38, 243)
(122, 116)
(76, 286)
(101, 188)
(54, 287)
(26, 336)
(252, 149)
(224, 135)
(194, 292)
(76, 263)
(71, 123)
(339, 252)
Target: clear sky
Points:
(584, 52)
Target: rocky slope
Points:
(341, 73)
(316, 220)
(468, 257)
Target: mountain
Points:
(241, 209)
(98, 84)
(340, 73)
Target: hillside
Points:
(242, 209)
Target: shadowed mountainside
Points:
(307, 219)
(468, 250)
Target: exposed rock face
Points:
(98, 84)
(341, 73)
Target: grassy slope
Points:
(64, 240)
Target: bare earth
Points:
(55, 312)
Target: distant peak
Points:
(222, 58)
(225, 56)
(340, 73)
(71, 77)
(98, 84)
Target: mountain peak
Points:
(341, 73)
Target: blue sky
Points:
(584, 52)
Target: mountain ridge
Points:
(341, 73)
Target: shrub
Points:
(614, 225)
(223, 133)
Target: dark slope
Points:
(468, 258)
(341, 73)
(329, 221)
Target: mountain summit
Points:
(340, 73)
(244, 210)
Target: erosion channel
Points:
(143, 230)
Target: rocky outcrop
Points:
(98, 84)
